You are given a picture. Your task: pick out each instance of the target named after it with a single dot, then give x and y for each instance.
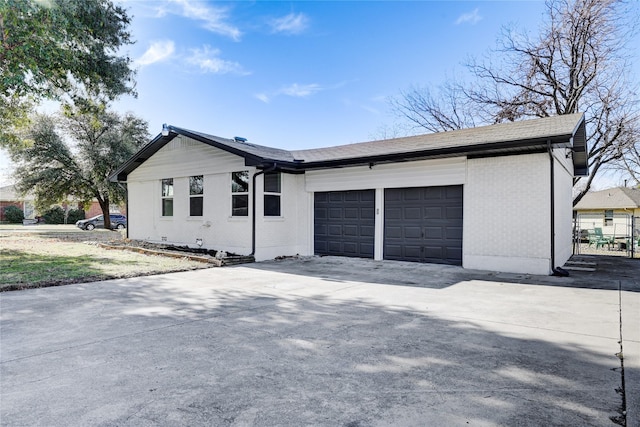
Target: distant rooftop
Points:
(612, 198)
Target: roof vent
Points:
(239, 139)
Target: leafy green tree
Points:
(78, 167)
(61, 50)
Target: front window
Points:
(167, 197)
(608, 218)
(272, 189)
(196, 191)
(240, 193)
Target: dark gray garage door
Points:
(423, 224)
(344, 223)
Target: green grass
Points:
(21, 268)
(32, 260)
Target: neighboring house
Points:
(10, 197)
(493, 198)
(611, 210)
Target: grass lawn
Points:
(39, 256)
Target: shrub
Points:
(55, 215)
(74, 215)
(13, 214)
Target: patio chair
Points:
(599, 239)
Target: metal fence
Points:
(597, 234)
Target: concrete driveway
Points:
(322, 341)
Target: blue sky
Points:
(301, 74)
(304, 74)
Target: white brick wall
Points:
(183, 158)
(507, 214)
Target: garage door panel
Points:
(334, 230)
(412, 232)
(454, 192)
(454, 233)
(350, 230)
(433, 235)
(393, 213)
(393, 232)
(366, 213)
(367, 231)
(411, 213)
(351, 213)
(349, 223)
(433, 213)
(454, 212)
(320, 229)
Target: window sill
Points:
(238, 218)
(166, 218)
(273, 218)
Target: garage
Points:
(423, 224)
(344, 223)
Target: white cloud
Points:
(213, 18)
(209, 61)
(263, 97)
(296, 90)
(300, 91)
(469, 18)
(293, 23)
(158, 51)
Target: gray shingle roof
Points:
(505, 138)
(528, 130)
(612, 198)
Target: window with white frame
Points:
(240, 193)
(167, 197)
(272, 190)
(196, 195)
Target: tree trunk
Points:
(104, 205)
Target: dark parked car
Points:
(117, 222)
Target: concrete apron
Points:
(301, 342)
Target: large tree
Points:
(577, 63)
(78, 166)
(60, 50)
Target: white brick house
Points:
(494, 197)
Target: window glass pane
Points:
(167, 187)
(195, 206)
(271, 205)
(196, 185)
(240, 182)
(167, 207)
(272, 182)
(240, 205)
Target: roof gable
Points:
(500, 139)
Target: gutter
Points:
(253, 205)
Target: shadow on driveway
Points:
(240, 347)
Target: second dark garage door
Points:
(344, 223)
(423, 224)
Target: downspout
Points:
(253, 206)
(125, 187)
(556, 271)
(553, 207)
